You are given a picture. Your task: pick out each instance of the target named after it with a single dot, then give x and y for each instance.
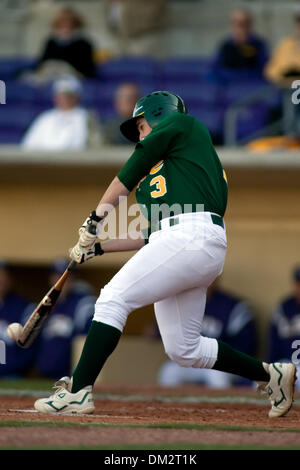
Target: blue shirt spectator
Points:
(244, 51)
(230, 319)
(13, 308)
(71, 316)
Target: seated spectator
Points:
(284, 64)
(285, 326)
(125, 100)
(13, 308)
(244, 50)
(226, 318)
(67, 50)
(68, 126)
(70, 317)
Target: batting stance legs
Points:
(173, 271)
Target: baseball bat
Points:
(38, 317)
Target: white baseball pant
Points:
(172, 271)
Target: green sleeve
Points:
(150, 151)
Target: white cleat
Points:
(280, 388)
(65, 402)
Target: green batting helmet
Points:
(153, 107)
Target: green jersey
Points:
(177, 165)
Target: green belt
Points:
(216, 219)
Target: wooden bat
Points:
(38, 317)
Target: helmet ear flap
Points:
(181, 105)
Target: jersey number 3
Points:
(160, 186)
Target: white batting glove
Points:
(88, 231)
(80, 254)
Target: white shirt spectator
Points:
(58, 130)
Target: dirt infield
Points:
(151, 416)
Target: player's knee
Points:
(182, 356)
(111, 308)
(201, 353)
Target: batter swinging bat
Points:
(37, 319)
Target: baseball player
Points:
(174, 166)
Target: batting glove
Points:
(88, 231)
(80, 254)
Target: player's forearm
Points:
(110, 199)
(127, 244)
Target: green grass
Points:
(199, 427)
(173, 446)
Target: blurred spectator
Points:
(284, 65)
(285, 326)
(68, 126)
(133, 18)
(243, 50)
(126, 97)
(227, 318)
(67, 50)
(13, 308)
(71, 316)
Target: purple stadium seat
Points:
(229, 76)
(186, 69)
(271, 96)
(212, 117)
(10, 67)
(252, 120)
(10, 136)
(128, 68)
(202, 93)
(17, 92)
(14, 120)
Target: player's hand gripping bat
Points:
(83, 252)
(38, 317)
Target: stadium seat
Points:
(14, 120)
(212, 118)
(17, 92)
(10, 67)
(191, 91)
(251, 120)
(238, 91)
(185, 69)
(10, 136)
(128, 68)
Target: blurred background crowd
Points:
(240, 87)
(73, 72)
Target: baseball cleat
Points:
(65, 402)
(280, 388)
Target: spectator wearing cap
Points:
(70, 317)
(243, 50)
(285, 325)
(125, 100)
(284, 64)
(13, 308)
(68, 126)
